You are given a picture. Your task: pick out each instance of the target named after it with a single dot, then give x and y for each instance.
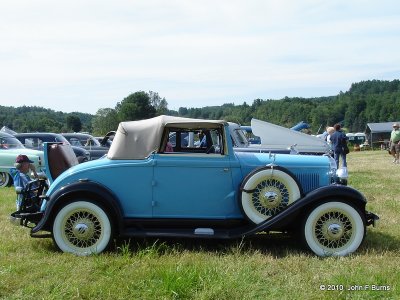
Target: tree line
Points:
(39, 119)
(365, 102)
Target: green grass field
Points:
(268, 268)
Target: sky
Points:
(84, 55)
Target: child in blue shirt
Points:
(21, 175)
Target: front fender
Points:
(339, 192)
(83, 188)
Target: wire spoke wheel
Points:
(267, 192)
(271, 197)
(334, 229)
(82, 228)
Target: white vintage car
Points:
(276, 139)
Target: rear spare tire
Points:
(268, 191)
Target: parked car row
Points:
(10, 148)
(84, 146)
(87, 142)
(146, 187)
(36, 141)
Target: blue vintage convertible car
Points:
(147, 187)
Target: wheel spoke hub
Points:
(333, 230)
(270, 197)
(83, 229)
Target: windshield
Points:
(62, 139)
(10, 143)
(239, 138)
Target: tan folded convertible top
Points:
(138, 139)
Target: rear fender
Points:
(82, 189)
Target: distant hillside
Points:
(366, 101)
(34, 118)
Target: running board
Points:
(180, 233)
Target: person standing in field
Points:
(395, 142)
(338, 140)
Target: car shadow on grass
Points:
(277, 245)
(380, 242)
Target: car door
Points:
(193, 184)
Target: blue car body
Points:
(201, 187)
(211, 192)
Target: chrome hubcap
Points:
(271, 197)
(335, 231)
(82, 230)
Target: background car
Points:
(87, 142)
(276, 139)
(106, 140)
(35, 140)
(10, 148)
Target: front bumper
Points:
(26, 219)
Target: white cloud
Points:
(64, 54)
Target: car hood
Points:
(278, 137)
(253, 160)
(25, 151)
(8, 156)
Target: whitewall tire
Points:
(5, 179)
(334, 229)
(82, 228)
(267, 192)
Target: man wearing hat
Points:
(21, 174)
(395, 142)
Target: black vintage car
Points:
(35, 141)
(87, 142)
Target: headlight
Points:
(338, 176)
(332, 164)
(332, 168)
(342, 173)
